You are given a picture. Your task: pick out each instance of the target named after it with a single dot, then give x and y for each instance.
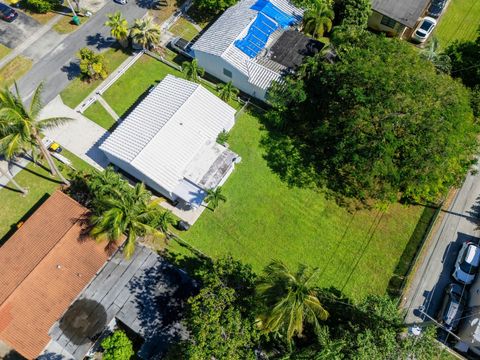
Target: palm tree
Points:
(21, 128)
(118, 27)
(192, 71)
(442, 62)
(318, 19)
(289, 300)
(163, 220)
(127, 212)
(227, 91)
(5, 171)
(145, 32)
(214, 196)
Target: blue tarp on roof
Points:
(269, 19)
(267, 8)
(257, 35)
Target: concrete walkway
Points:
(108, 108)
(30, 41)
(80, 136)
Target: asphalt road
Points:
(458, 225)
(59, 65)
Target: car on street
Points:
(424, 29)
(182, 47)
(121, 2)
(453, 305)
(468, 261)
(7, 13)
(436, 8)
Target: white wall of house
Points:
(219, 68)
(128, 168)
(375, 22)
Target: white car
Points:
(468, 261)
(424, 29)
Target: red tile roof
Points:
(45, 265)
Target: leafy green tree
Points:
(352, 12)
(214, 196)
(221, 318)
(475, 102)
(227, 91)
(22, 130)
(146, 33)
(222, 137)
(117, 347)
(318, 18)
(163, 220)
(118, 27)
(214, 6)
(126, 212)
(192, 71)
(289, 300)
(92, 66)
(368, 127)
(442, 62)
(465, 63)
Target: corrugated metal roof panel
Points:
(164, 158)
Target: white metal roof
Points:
(233, 25)
(168, 129)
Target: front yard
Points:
(460, 22)
(14, 70)
(15, 208)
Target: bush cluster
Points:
(40, 6)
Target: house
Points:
(45, 265)
(169, 141)
(144, 296)
(396, 16)
(254, 43)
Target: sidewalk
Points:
(31, 40)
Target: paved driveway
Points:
(14, 33)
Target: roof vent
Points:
(59, 266)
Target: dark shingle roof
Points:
(405, 12)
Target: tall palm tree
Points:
(118, 27)
(127, 212)
(192, 71)
(289, 300)
(145, 32)
(227, 91)
(318, 19)
(20, 126)
(442, 62)
(214, 196)
(163, 221)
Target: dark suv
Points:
(436, 8)
(7, 13)
(452, 307)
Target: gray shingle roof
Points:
(405, 12)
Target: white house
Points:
(169, 141)
(254, 43)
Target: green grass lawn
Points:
(4, 51)
(184, 29)
(460, 22)
(78, 90)
(14, 207)
(14, 70)
(97, 113)
(264, 219)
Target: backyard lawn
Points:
(264, 219)
(14, 207)
(460, 22)
(78, 90)
(184, 29)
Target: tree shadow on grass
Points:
(415, 243)
(51, 179)
(14, 227)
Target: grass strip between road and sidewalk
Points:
(14, 70)
(4, 51)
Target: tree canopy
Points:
(378, 123)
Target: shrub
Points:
(222, 137)
(117, 347)
(38, 6)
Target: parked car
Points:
(436, 8)
(453, 305)
(468, 261)
(121, 2)
(7, 13)
(182, 47)
(424, 29)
